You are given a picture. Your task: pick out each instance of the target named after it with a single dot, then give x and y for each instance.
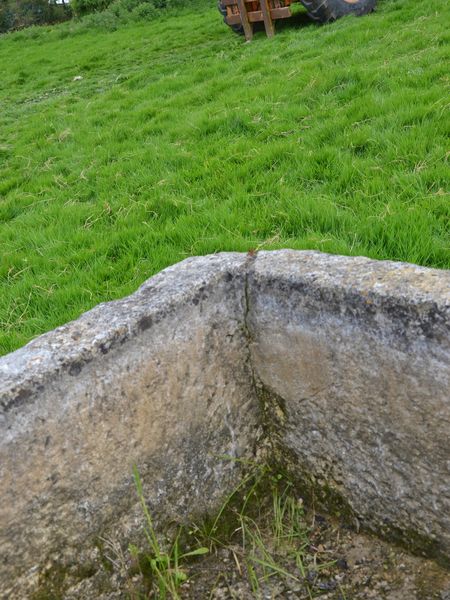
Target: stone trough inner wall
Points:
(354, 356)
(344, 362)
(160, 380)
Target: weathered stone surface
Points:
(354, 355)
(345, 359)
(160, 379)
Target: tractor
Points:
(241, 14)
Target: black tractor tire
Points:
(223, 11)
(325, 11)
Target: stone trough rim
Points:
(43, 342)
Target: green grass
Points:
(262, 523)
(165, 568)
(181, 140)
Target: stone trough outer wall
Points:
(344, 363)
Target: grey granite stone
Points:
(342, 362)
(161, 380)
(354, 357)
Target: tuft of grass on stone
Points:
(261, 524)
(163, 568)
(262, 542)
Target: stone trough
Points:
(337, 367)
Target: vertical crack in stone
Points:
(247, 332)
(275, 316)
(265, 447)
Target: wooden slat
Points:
(257, 15)
(268, 24)
(248, 29)
(281, 13)
(230, 2)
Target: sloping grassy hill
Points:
(181, 139)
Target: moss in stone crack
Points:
(54, 581)
(52, 584)
(320, 494)
(273, 408)
(254, 492)
(415, 543)
(317, 493)
(100, 545)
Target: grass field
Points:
(180, 139)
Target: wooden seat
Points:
(247, 12)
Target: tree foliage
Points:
(16, 14)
